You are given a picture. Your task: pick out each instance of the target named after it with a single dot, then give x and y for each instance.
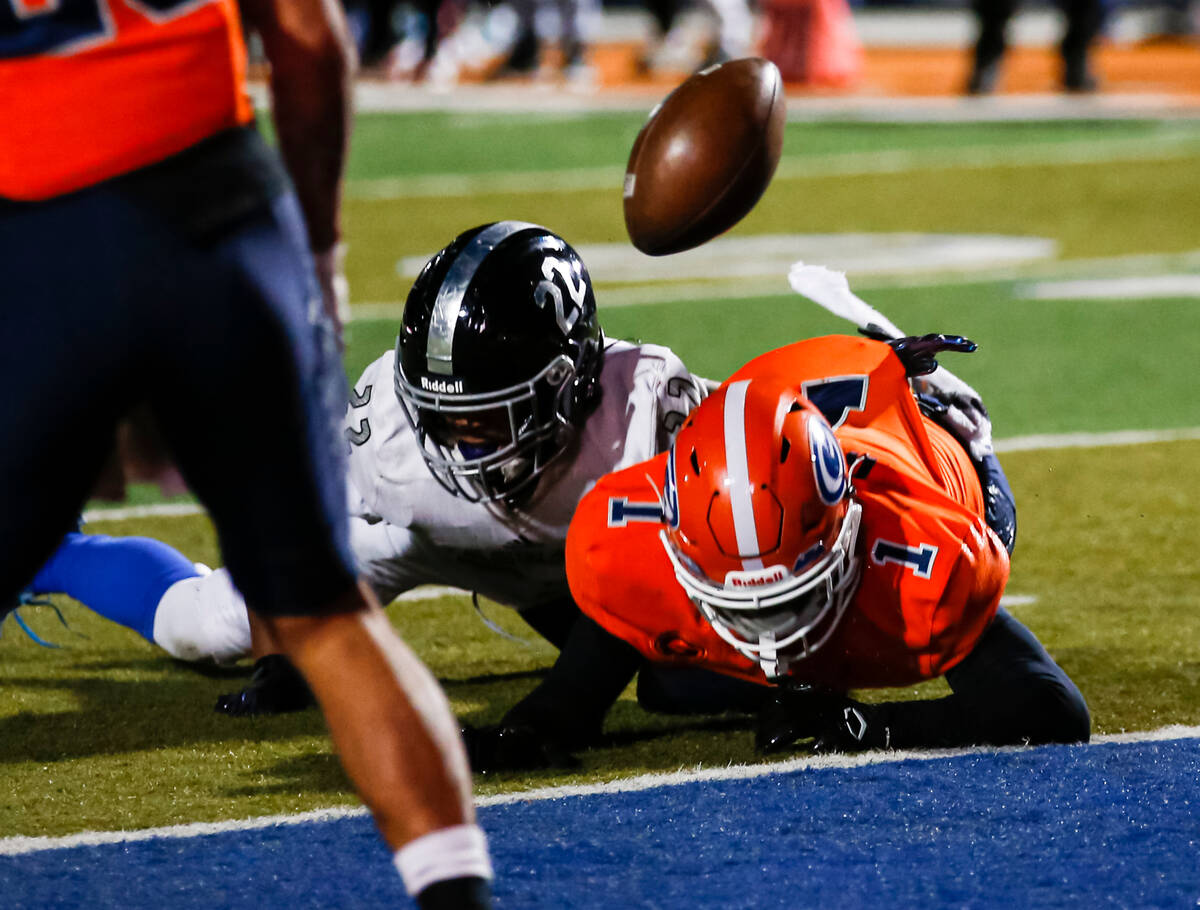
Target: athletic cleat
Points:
(276, 687)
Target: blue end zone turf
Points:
(1111, 824)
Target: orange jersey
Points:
(96, 88)
(933, 572)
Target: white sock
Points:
(456, 852)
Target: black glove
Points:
(918, 352)
(858, 728)
(510, 747)
(796, 711)
(276, 687)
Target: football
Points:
(705, 156)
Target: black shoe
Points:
(276, 687)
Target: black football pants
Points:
(1007, 691)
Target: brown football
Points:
(705, 156)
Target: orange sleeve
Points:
(145, 85)
(970, 599)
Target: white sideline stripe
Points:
(1017, 600)
(430, 592)
(1049, 441)
(1034, 443)
(1131, 288)
(20, 845)
(771, 256)
(846, 164)
(627, 294)
(160, 510)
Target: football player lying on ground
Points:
(821, 532)
(469, 452)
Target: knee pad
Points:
(203, 617)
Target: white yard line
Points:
(846, 164)
(16, 846)
(158, 510)
(1039, 277)
(1131, 288)
(1038, 442)
(1051, 441)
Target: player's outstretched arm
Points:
(566, 711)
(397, 739)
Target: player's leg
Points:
(1084, 20)
(992, 18)
(1014, 691)
(124, 579)
(63, 377)
(388, 681)
(1007, 692)
(252, 408)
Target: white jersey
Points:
(407, 530)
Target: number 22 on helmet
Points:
(498, 358)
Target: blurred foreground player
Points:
(818, 533)
(470, 447)
(154, 253)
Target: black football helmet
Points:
(498, 359)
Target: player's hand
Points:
(857, 728)
(509, 747)
(943, 397)
(330, 267)
(918, 353)
(796, 711)
(957, 408)
(276, 687)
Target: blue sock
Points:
(121, 578)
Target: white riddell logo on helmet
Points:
(756, 579)
(448, 386)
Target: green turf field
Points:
(107, 733)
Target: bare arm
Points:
(312, 62)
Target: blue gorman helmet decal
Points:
(671, 494)
(829, 467)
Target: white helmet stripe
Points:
(738, 477)
(439, 350)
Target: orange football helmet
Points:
(761, 525)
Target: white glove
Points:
(965, 414)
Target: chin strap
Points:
(772, 663)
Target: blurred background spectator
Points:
(1084, 19)
(688, 37)
(913, 46)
